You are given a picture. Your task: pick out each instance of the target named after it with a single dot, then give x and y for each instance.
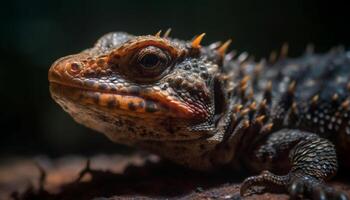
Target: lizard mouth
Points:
(119, 102)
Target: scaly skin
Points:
(205, 109)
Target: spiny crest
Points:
(196, 43)
(222, 49)
(315, 99)
(273, 57)
(166, 34)
(158, 33)
(345, 104)
(219, 47)
(292, 87)
(335, 97)
(310, 48)
(284, 50)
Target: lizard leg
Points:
(313, 160)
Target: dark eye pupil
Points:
(150, 60)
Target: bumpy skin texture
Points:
(287, 118)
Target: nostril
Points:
(75, 67)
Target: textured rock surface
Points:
(121, 176)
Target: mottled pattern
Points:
(205, 109)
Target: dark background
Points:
(35, 33)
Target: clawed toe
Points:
(296, 189)
(319, 194)
(308, 187)
(342, 196)
(266, 179)
(299, 186)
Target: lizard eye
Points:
(151, 61)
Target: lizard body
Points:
(202, 108)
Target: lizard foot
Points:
(307, 186)
(298, 186)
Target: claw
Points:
(266, 178)
(296, 189)
(301, 187)
(342, 196)
(320, 194)
(247, 183)
(309, 187)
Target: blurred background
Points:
(36, 33)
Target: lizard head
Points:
(141, 87)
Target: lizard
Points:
(284, 119)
